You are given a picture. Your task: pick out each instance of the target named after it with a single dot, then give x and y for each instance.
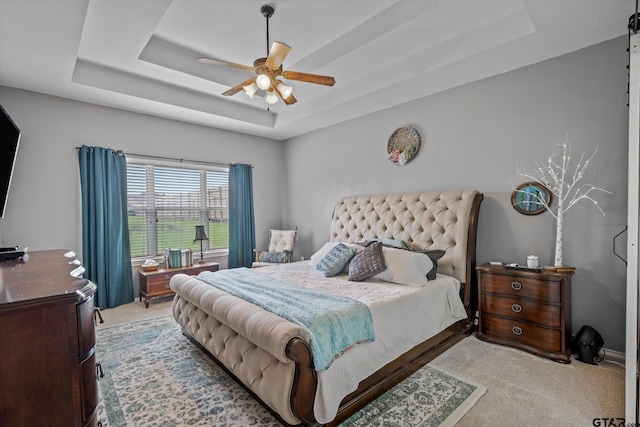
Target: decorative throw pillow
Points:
(435, 255)
(277, 257)
(316, 257)
(392, 243)
(335, 260)
(405, 267)
(367, 263)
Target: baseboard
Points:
(615, 356)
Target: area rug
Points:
(154, 376)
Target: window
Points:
(165, 203)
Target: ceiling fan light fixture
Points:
(285, 90)
(271, 97)
(263, 81)
(268, 70)
(250, 89)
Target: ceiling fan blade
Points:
(278, 52)
(309, 78)
(290, 100)
(225, 64)
(238, 88)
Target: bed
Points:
(272, 356)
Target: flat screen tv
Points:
(8, 151)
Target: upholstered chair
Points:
(281, 243)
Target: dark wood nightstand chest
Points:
(156, 283)
(48, 369)
(526, 309)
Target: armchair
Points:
(281, 243)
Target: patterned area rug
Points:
(154, 376)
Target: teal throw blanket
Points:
(335, 323)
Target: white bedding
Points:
(403, 317)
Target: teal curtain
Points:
(105, 230)
(242, 233)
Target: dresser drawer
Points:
(157, 287)
(89, 388)
(545, 339)
(525, 287)
(86, 327)
(522, 309)
(160, 278)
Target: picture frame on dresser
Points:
(526, 309)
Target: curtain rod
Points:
(150, 156)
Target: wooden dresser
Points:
(156, 283)
(526, 309)
(47, 338)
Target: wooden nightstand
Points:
(526, 309)
(156, 283)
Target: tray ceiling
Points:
(141, 55)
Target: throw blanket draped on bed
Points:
(335, 323)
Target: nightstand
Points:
(156, 283)
(526, 309)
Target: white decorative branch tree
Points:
(567, 189)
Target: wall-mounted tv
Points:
(8, 150)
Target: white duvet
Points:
(402, 318)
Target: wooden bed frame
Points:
(447, 219)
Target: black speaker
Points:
(587, 343)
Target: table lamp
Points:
(200, 236)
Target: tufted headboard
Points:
(433, 220)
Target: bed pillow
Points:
(276, 257)
(367, 263)
(435, 255)
(316, 257)
(335, 260)
(405, 267)
(394, 243)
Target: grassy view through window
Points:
(176, 235)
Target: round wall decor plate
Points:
(530, 198)
(403, 145)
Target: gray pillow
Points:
(435, 255)
(392, 243)
(367, 263)
(277, 257)
(335, 260)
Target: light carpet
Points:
(154, 376)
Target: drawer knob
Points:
(516, 308)
(167, 276)
(516, 286)
(517, 330)
(166, 285)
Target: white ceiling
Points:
(140, 55)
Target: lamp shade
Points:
(250, 89)
(271, 97)
(263, 81)
(200, 233)
(285, 90)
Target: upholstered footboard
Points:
(269, 355)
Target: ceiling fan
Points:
(269, 69)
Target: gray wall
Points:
(43, 209)
(473, 137)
